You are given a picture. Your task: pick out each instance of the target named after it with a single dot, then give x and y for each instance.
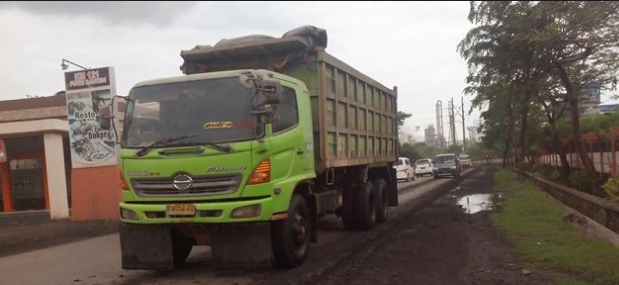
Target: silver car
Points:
(447, 164)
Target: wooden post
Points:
(613, 159)
(614, 131)
(591, 138)
(600, 144)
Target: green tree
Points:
(522, 52)
(402, 117)
(580, 38)
(407, 150)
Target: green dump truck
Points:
(261, 137)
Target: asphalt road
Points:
(97, 261)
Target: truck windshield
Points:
(213, 110)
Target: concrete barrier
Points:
(600, 210)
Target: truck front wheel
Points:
(290, 237)
(181, 247)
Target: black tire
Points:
(382, 200)
(181, 248)
(365, 206)
(290, 237)
(348, 208)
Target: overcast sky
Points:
(412, 45)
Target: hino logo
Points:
(182, 182)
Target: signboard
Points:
(2, 151)
(87, 93)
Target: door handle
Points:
(300, 151)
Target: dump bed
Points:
(354, 116)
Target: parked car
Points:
(446, 164)
(465, 160)
(404, 169)
(423, 167)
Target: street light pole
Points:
(65, 66)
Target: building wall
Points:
(87, 194)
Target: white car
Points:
(465, 160)
(423, 167)
(403, 169)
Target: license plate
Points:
(180, 210)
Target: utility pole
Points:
(463, 129)
(452, 123)
(440, 138)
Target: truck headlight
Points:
(250, 211)
(128, 214)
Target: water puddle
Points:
(476, 203)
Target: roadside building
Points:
(35, 165)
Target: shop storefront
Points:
(35, 171)
(25, 184)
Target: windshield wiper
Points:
(164, 142)
(222, 148)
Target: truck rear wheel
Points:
(382, 200)
(290, 237)
(348, 210)
(365, 206)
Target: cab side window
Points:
(287, 111)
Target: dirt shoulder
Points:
(16, 238)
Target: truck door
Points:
(292, 142)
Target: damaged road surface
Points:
(440, 234)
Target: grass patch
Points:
(535, 225)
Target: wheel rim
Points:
(299, 233)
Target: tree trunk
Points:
(524, 125)
(505, 152)
(511, 131)
(558, 146)
(579, 144)
(572, 97)
(565, 165)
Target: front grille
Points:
(202, 185)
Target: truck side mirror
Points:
(269, 91)
(107, 117)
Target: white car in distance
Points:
(465, 160)
(423, 167)
(404, 169)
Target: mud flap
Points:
(242, 245)
(146, 247)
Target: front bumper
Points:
(205, 212)
(444, 171)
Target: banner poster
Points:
(2, 151)
(92, 136)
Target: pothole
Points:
(477, 202)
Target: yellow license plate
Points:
(180, 210)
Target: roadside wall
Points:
(600, 210)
